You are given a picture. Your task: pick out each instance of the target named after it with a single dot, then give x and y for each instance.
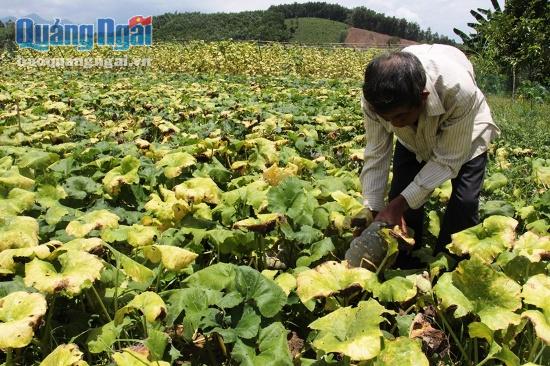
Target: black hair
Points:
(394, 80)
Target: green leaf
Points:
(317, 251)
(101, 339)
(267, 295)
(20, 313)
(173, 258)
(36, 159)
(497, 208)
(156, 342)
(125, 173)
(65, 355)
(396, 289)
(355, 332)
(330, 278)
(272, 346)
(148, 303)
(136, 271)
(79, 187)
(476, 287)
(403, 352)
(486, 240)
(78, 271)
(494, 182)
(218, 276)
(93, 220)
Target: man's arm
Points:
(450, 153)
(374, 176)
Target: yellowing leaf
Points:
(18, 232)
(172, 257)
(168, 208)
(20, 313)
(93, 220)
(65, 355)
(329, 278)
(174, 163)
(129, 357)
(139, 235)
(403, 352)
(148, 303)
(355, 332)
(78, 271)
(476, 287)
(125, 173)
(198, 190)
(532, 246)
(486, 240)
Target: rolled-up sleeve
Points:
(451, 151)
(378, 150)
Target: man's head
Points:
(394, 87)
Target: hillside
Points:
(316, 30)
(358, 36)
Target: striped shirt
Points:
(454, 127)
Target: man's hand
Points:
(393, 213)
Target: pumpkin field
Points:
(197, 212)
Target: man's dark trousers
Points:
(462, 208)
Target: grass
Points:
(317, 30)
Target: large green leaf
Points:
(79, 270)
(93, 220)
(486, 240)
(272, 346)
(476, 287)
(267, 295)
(355, 332)
(291, 198)
(101, 339)
(20, 313)
(125, 173)
(329, 278)
(249, 283)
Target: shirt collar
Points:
(433, 103)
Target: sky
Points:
(440, 15)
